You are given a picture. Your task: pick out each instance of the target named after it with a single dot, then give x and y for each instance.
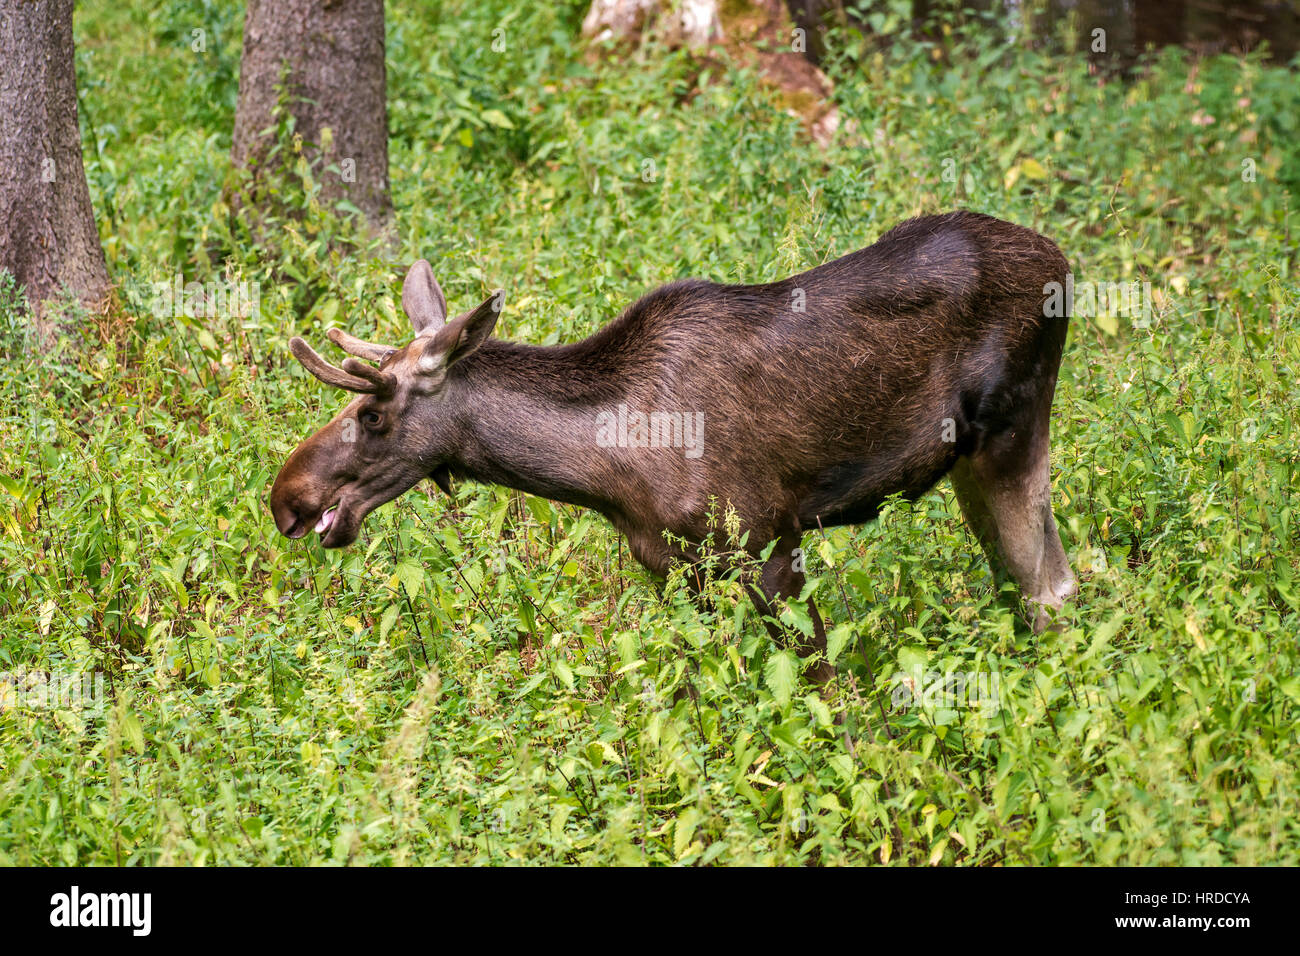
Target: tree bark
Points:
(333, 52)
(1158, 25)
(49, 240)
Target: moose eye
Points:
(371, 419)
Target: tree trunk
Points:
(814, 18)
(48, 237)
(1157, 25)
(333, 52)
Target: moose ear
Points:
(463, 335)
(422, 299)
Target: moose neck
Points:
(528, 418)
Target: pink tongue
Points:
(325, 521)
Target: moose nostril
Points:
(288, 521)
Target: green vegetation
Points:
(492, 678)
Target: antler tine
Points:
(384, 383)
(355, 346)
(326, 372)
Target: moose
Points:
(928, 353)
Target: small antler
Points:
(354, 346)
(354, 376)
(384, 382)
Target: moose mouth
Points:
(331, 526)
(326, 520)
(337, 520)
(337, 527)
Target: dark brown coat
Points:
(820, 395)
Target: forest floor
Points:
(491, 678)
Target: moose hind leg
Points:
(779, 579)
(1010, 477)
(975, 509)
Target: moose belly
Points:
(851, 492)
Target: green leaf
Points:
(410, 576)
(1176, 426)
(541, 510)
(328, 310)
(1107, 323)
(912, 658)
(388, 620)
(817, 707)
(1033, 169)
(837, 638)
(1291, 687)
(684, 829)
(781, 675)
(497, 118)
(133, 731)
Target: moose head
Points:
(396, 431)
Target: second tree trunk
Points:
(333, 58)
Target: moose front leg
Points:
(777, 580)
(780, 580)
